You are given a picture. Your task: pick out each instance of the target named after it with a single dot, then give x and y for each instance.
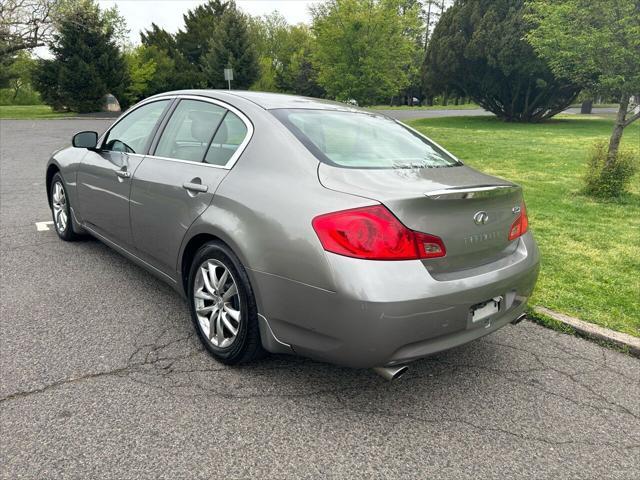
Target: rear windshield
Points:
(362, 140)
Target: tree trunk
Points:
(586, 107)
(618, 128)
(445, 99)
(426, 35)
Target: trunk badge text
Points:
(481, 237)
(481, 217)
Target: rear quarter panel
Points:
(264, 207)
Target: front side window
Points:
(133, 132)
(190, 130)
(362, 140)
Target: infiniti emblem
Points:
(481, 217)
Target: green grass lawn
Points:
(30, 112)
(590, 249)
(466, 106)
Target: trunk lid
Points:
(447, 202)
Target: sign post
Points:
(228, 76)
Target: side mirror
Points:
(85, 140)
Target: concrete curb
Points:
(632, 344)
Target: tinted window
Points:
(362, 140)
(228, 138)
(190, 130)
(132, 133)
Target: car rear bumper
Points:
(384, 313)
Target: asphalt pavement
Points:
(101, 376)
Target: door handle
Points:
(123, 174)
(195, 187)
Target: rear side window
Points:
(362, 140)
(228, 138)
(190, 130)
(132, 133)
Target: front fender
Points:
(66, 161)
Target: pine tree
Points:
(231, 47)
(174, 71)
(478, 50)
(200, 24)
(87, 63)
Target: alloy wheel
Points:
(59, 202)
(217, 303)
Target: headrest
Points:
(202, 124)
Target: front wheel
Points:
(61, 210)
(223, 307)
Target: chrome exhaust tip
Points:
(519, 318)
(391, 373)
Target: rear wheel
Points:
(223, 307)
(61, 210)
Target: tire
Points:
(214, 302)
(61, 209)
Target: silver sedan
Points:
(297, 225)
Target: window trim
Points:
(153, 133)
(236, 155)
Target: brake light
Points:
(374, 233)
(520, 225)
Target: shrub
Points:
(609, 181)
(25, 96)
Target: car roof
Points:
(270, 101)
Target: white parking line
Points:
(43, 226)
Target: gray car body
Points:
(353, 312)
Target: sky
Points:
(168, 13)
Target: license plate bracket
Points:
(484, 310)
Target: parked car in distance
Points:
(297, 225)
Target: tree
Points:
(19, 73)
(595, 43)
(141, 70)
(200, 24)
(25, 24)
(418, 32)
(295, 71)
(159, 38)
(478, 50)
(230, 47)
(173, 70)
(285, 53)
(87, 63)
(432, 10)
(363, 47)
(269, 35)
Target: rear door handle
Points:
(195, 187)
(123, 174)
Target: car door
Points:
(104, 176)
(171, 188)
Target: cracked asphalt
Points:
(101, 376)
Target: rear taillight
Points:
(374, 233)
(520, 225)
